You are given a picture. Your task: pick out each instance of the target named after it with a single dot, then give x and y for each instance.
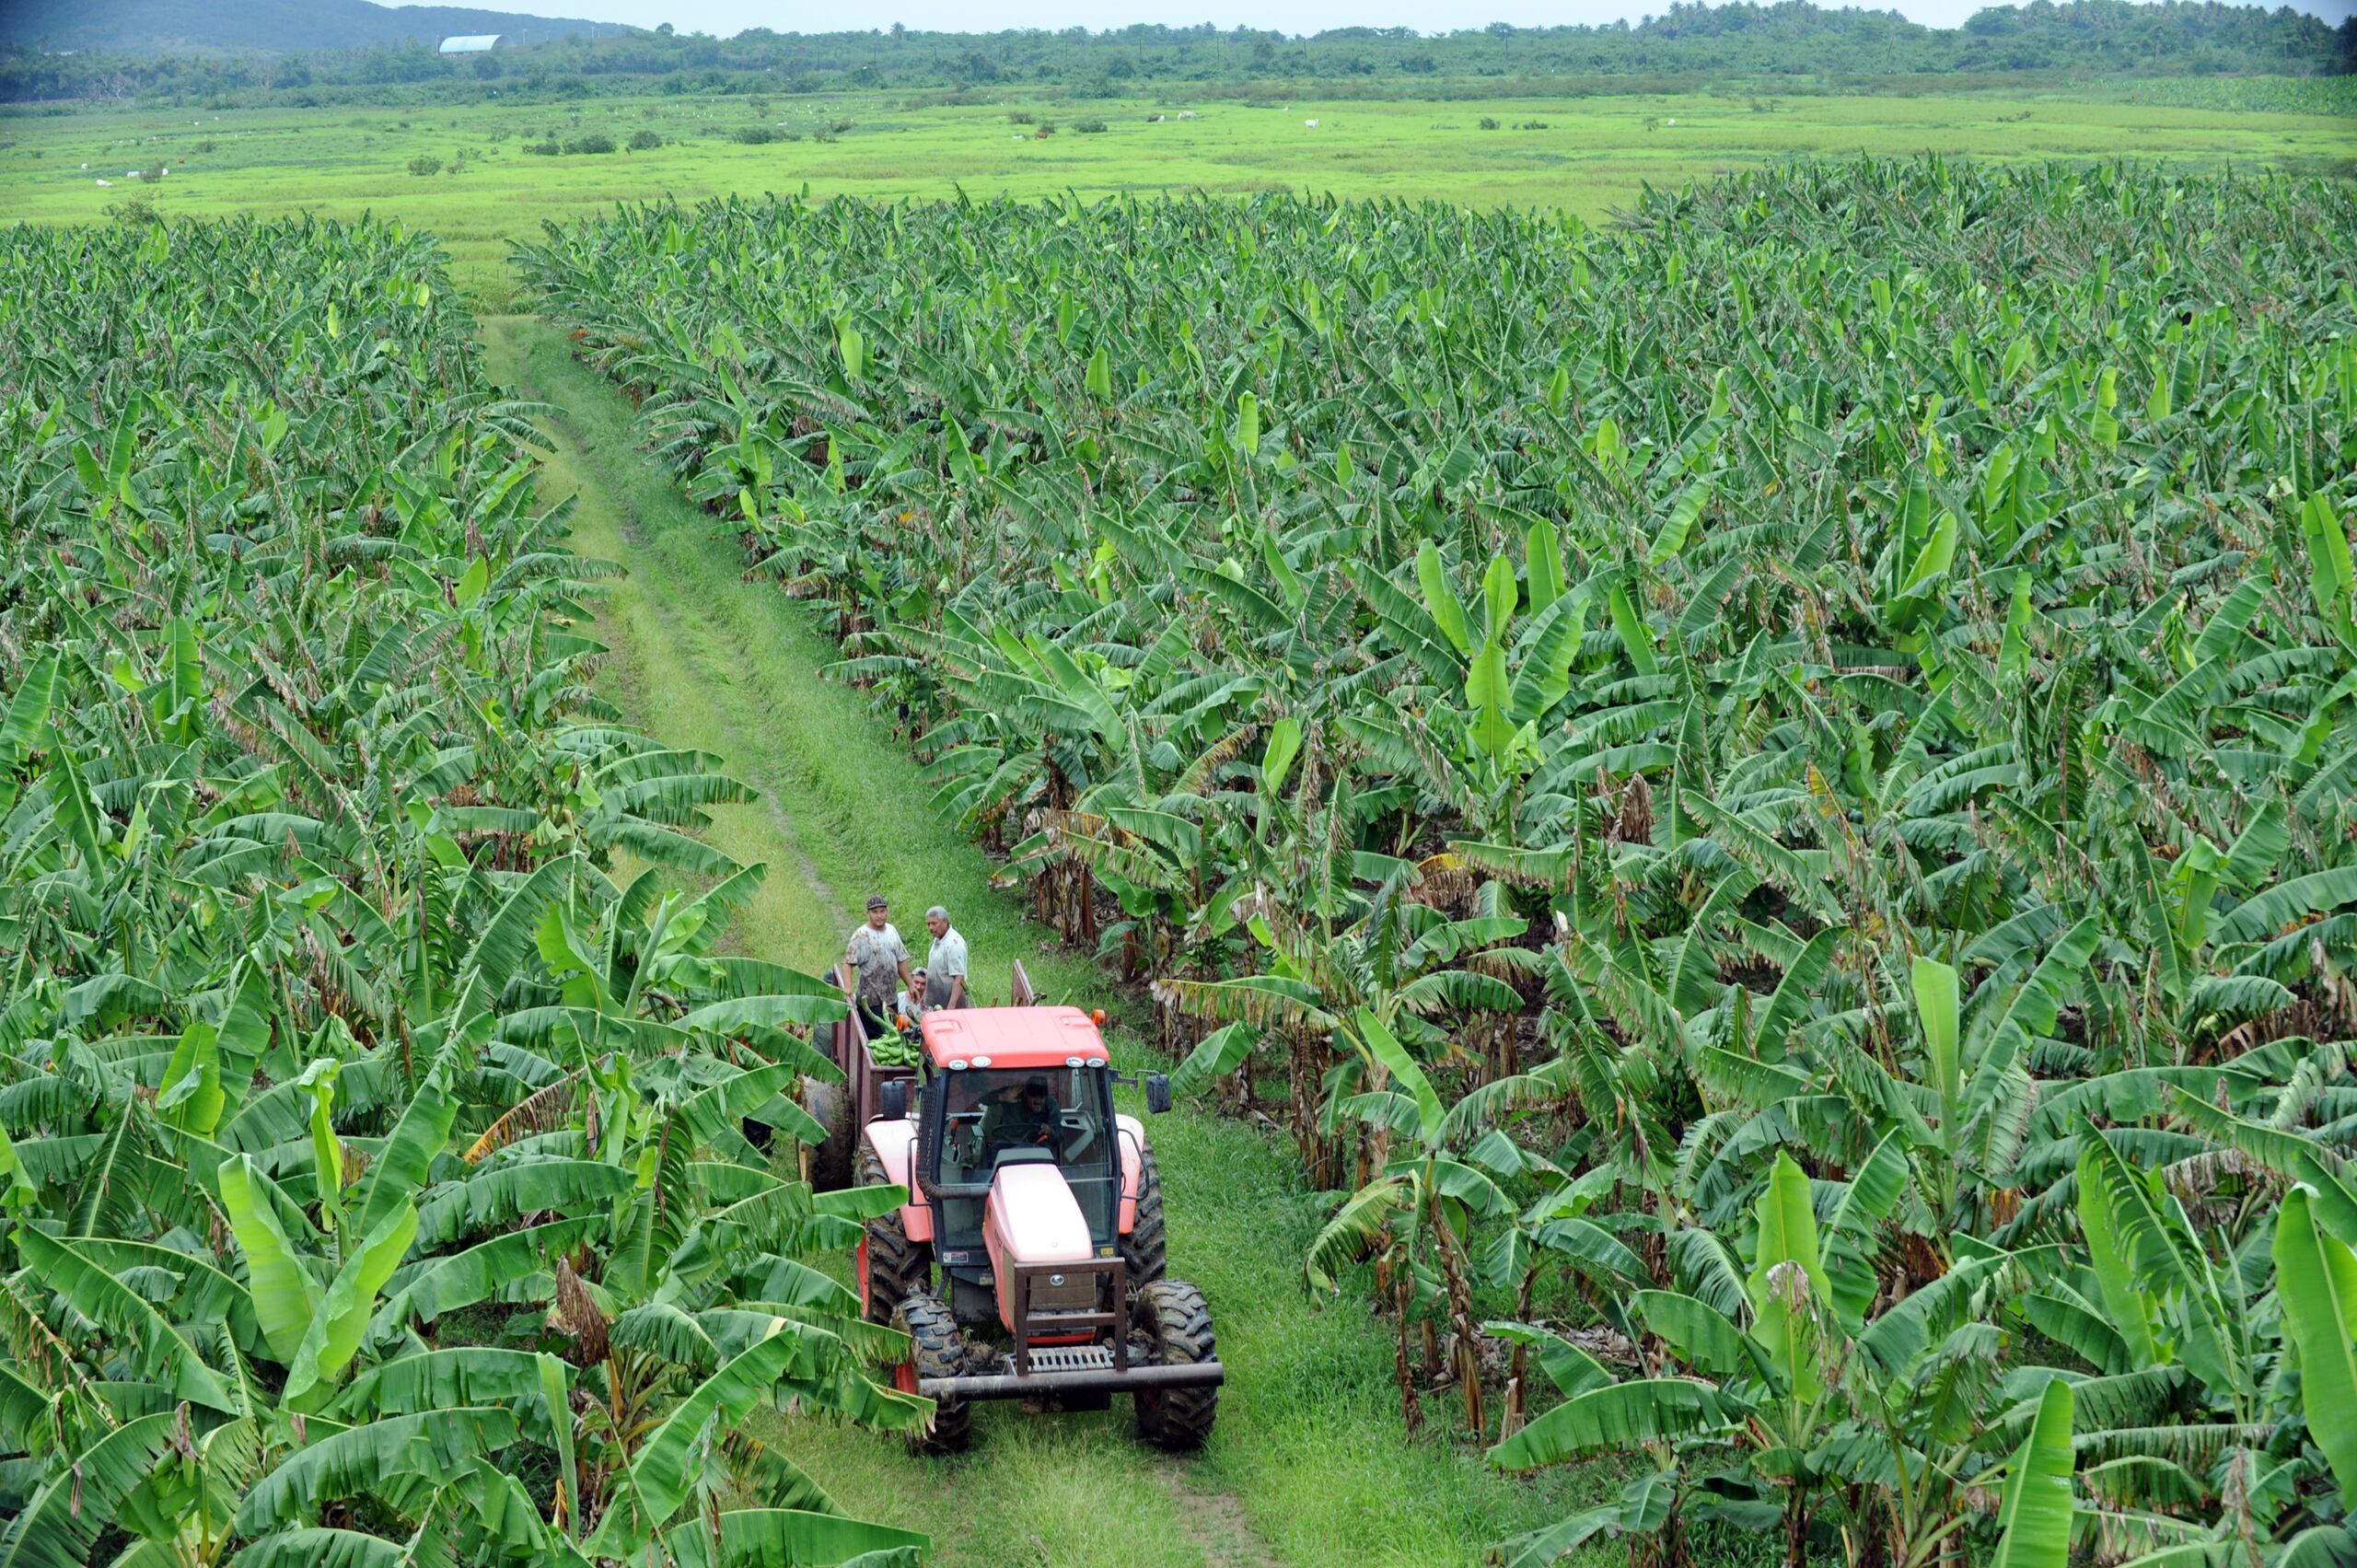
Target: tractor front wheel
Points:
(935, 1349)
(1175, 1325)
(892, 1267)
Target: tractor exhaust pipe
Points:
(1006, 1386)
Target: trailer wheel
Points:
(1175, 1325)
(829, 1106)
(890, 1266)
(935, 1349)
(1145, 1252)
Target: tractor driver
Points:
(1021, 1115)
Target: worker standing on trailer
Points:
(880, 957)
(944, 965)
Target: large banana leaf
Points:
(1703, 1338)
(402, 1164)
(1938, 1015)
(659, 1478)
(314, 1547)
(64, 1517)
(334, 1333)
(1610, 1419)
(2165, 1261)
(786, 1538)
(439, 1379)
(154, 1346)
(2128, 1308)
(401, 1458)
(286, 1298)
(2035, 1521)
(2316, 1276)
(1791, 1304)
(1851, 1233)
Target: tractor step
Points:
(1061, 1358)
(1089, 1370)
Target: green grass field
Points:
(1586, 156)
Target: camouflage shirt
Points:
(877, 955)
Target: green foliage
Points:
(1691, 756)
(328, 1010)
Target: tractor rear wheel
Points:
(889, 1265)
(1175, 1325)
(1145, 1252)
(829, 1106)
(935, 1349)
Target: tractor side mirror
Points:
(892, 1100)
(1157, 1093)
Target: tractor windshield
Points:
(1036, 1113)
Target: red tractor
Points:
(1042, 1210)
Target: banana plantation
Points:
(1763, 791)
(377, 1115)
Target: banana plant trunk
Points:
(1320, 1156)
(1519, 1365)
(1412, 1406)
(1665, 1548)
(1466, 1355)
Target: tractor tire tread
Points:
(939, 1351)
(1145, 1250)
(1178, 1324)
(831, 1164)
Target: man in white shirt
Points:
(880, 957)
(945, 966)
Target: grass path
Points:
(1307, 1466)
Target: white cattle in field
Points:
(1311, 124)
(106, 182)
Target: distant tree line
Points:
(1792, 38)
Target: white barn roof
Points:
(474, 43)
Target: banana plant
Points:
(1426, 1196)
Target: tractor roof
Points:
(1012, 1037)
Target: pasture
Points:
(1588, 157)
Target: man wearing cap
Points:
(1022, 1114)
(945, 966)
(879, 958)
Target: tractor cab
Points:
(1017, 1147)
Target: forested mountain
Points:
(1789, 38)
(201, 26)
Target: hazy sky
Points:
(724, 17)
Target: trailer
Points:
(842, 1109)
